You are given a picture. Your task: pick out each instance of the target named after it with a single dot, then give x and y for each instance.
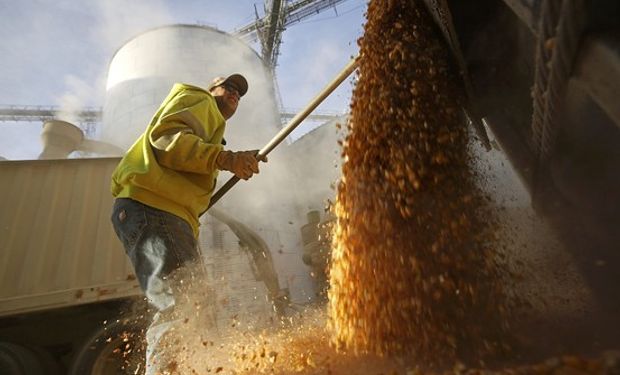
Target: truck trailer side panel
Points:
(57, 245)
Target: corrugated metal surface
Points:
(57, 245)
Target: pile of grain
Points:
(413, 265)
(304, 348)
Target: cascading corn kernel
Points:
(413, 268)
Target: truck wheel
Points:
(17, 359)
(116, 348)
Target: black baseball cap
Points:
(236, 79)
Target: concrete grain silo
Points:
(143, 70)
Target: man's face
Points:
(227, 97)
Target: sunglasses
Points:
(230, 88)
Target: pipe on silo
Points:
(59, 138)
(101, 148)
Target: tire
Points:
(116, 348)
(16, 359)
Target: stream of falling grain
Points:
(413, 266)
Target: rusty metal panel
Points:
(57, 245)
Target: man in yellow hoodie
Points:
(165, 181)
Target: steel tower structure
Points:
(280, 14)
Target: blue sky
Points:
(58, 51)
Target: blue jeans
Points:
(167, 263)
(158, 244)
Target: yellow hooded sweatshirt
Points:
(171, 166)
